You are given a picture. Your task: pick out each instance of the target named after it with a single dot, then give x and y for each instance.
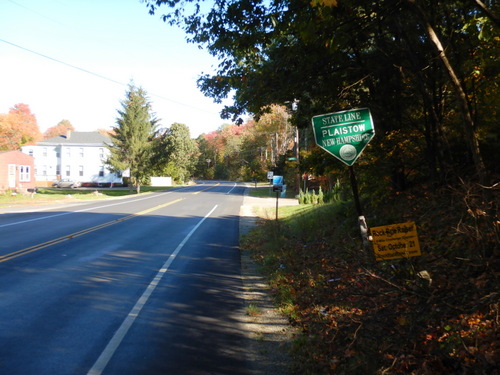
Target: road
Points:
(141, 285)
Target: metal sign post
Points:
(278, 188)
(363, 227)
(345, 135)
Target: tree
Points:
(279, 134)
(175, 153)
(60, 129)
(337, 54)
(18, 128)
(132, 137)
(249, 150)
(204, 166)
(468, 121)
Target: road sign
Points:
(278, 188)
(278, 180)
(344, 134)
(395, 241)
(270, 175)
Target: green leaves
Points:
(131, 138)
(176, 152)
(335, 55)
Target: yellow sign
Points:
(395, 241)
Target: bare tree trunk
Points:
(433, 127)
(468, 121)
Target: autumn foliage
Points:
(60, 129)
(18, 128)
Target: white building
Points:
(79, 156)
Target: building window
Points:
(81, 152)
(101, 171)
(44, 152)
(24, 173)
(101, 152)
(80, 170)
(68, 171)
(30, 152)
(44, 170)
(68, 152)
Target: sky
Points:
(73, 60)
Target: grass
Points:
(47, 195)
(253, 310)
(358, 316)
(264, 190)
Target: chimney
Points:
(68, 134)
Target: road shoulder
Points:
(269, 332)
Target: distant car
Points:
(67, 183)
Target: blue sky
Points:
(116, 40)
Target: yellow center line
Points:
(55, 241)
(210, 187)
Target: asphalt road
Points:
(141, 285)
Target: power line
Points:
(61, 62)
(98, 75)
(35, 12)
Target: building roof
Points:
(80, 138)
(2, 153)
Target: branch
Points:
(369, 273)
(492, 16)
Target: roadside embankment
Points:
(268, 330)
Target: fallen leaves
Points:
(430, 315)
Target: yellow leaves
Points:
(325, 3)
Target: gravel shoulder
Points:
(268, 331)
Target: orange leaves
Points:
(60, 129)
(18, 128)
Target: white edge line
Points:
(231, 189)
(119, 335)
(82, 210)
(91, 208)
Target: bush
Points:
(321, 198)
(302, 197)
(310, 197)
(314, 197)
(333, 195)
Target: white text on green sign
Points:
(344, 134)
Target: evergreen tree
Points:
(131, 139)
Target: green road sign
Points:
(344, 134)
